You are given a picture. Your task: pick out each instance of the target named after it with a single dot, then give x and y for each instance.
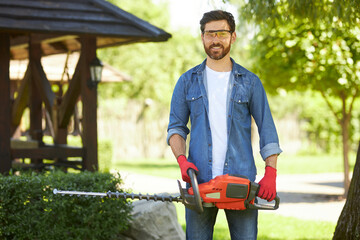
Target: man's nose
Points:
(216, 38)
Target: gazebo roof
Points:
(59, 23)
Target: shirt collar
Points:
(236, 70)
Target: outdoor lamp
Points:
(96, 68)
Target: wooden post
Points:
(60, 134)
(89, 105)
(5, 158)
(35, 101)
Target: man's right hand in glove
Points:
(184, 167)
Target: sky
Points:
(187, 13)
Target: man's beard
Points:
(220, 54)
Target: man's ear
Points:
(233, 37)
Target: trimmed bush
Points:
(30, 210)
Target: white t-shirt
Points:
(217, 86)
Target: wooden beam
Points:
(48, 152)
(77, 165)
(42, 83)
(60, 133)
(21, 100)
(35, 100)
(89, 105)
(66, 108)
(5, 158)
(55, 46)
(22, 41)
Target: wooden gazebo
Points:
(32, 29)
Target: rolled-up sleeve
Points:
(175, 131)
(179, 112)
(260, 110)
(270, 149)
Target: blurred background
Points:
(309, 68)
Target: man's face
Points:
(217, 39)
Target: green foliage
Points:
(323, 57)
(29, 209)
(155, 75)
(320, 131)
(154, 67)
(281, 11)
(146, 10)
(302, 53)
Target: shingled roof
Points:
(59, 23)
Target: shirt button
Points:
(229, 115)
(209, 160)
(192, 98)
(209, 144)
(225, 164)
(239, 101)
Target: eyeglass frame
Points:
(216, 31)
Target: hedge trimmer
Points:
(233, 192)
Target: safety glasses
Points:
(221, 34)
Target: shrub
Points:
(30, 210)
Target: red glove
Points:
(184, 166)
(268, 184)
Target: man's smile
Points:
(216, 47)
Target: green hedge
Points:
(30, 210)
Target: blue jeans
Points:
(242, 224)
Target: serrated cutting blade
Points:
(124, 195)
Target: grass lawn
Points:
(272, 226)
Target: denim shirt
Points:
(247, 98)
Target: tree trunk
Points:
(344, 122)
(345, 140)
(348, 225)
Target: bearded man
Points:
(220, 96)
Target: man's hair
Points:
(215, 16)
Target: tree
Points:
(309, 44)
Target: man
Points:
(220, 97)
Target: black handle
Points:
(195, 186)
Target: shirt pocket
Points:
(195, 103)
(241, 107)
